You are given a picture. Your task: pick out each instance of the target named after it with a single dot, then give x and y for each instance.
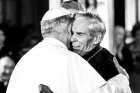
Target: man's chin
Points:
(77, 51)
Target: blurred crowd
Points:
(14, 43)
(127, 47)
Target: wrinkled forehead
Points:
(80, 23)
(85, 22)
(81, 20)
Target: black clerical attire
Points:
(102, 60)
(2, 88)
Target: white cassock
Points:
(52, 64)
(117, 84)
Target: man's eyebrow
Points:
(81, 33)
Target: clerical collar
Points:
(92, 52)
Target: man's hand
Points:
(44, 89)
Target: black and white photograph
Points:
(69, 46)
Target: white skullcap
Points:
(55, 13)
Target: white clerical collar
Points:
(55, 42)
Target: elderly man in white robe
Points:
(50, 65)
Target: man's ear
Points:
(97, 38)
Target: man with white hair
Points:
(50, 67)
(88, 31)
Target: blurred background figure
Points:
(91, 6)
(3, 50)
(83, 3)
(135, 46)
(122, 50)
(31, 38)
(73, 5)
(6, 43)
(7, 62)
(6, 67)
(2, 38)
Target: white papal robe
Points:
(52, 64)
(117, 84)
